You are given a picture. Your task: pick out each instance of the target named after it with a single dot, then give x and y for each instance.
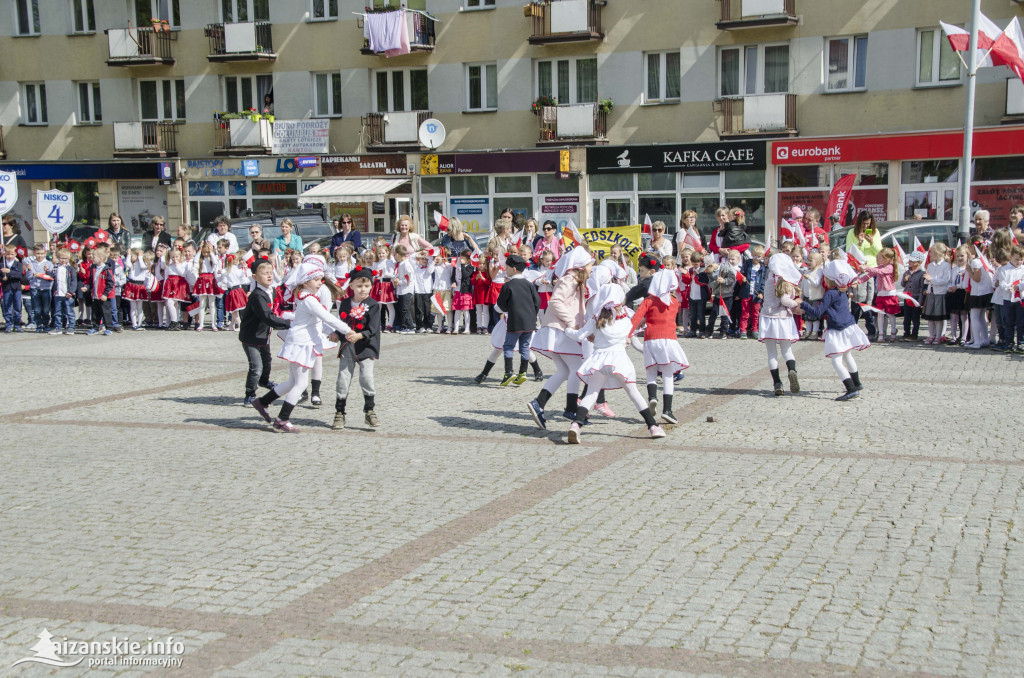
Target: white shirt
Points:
(941, 274)
(404, 277)
(983, 286)
(229, 236)
(423, 277)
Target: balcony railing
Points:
(738, 14)
(565, 21)
(139, 47)
(245, 41)
(148, 138)
(3, 151)
(765, 115)
(244, 136)
(574, 123)
(421, 33)
(394, 130)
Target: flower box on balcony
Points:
(246, 132)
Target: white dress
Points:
(305, 341)
(776, 321)
(609, 355)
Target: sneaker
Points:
(566, 414)
(507, 379)
(690, 335)
(107, 333)
(69, 331)
(602, 408)
(284, 427)
(30, 327)
(480, 378)
(261, 408)
(678, 376)
(92, 332)
(657, 432)
(118, 329)
(537, 412)
(741, 335)
(520, 379)
(653, 404)
(248, 400)
(339, 421)
(779, 390)
(849, 395)
(750, 334)
(371, 418)
(574, 434)
(269, 384)
(315, 401)
(794, 383)
(669, 417)
(55, 332)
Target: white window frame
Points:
(938, 40)
(759, 72)
(663, 77)
(406, 89)
(87, 8)
(477, 5)
(250, 6)
(32, 8)
(41, 113)
(179, 116)
(236, 107)
(156, 8)
(86, 115)
(573, 68)
(851, 59)
(327, 10)
(484, 80)
(331, 113)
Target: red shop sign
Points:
(987, 142)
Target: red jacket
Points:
(661, 318)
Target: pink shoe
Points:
(603, 408)
(574, 434)
(657, 432)
(284, 426)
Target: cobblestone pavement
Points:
(790, 536)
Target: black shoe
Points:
(794, 383)
(537, 412)
(248, 400)
(778, 388)
(849, 395)
(538, 375)
(315, 401)
(480, 378)
(303, 398)
(668, 416)
(269, 384)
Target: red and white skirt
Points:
(887, 304)
(206, 284)
(235, 299)
(383, 292)
(157, 291)
(175, 287)
(462, 301)
(134, 291)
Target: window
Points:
(324, 10)
(83, 16)
(570, 81)
(33, 109)
(26, 14)
(937, 63)
(242, 92)
(162, 99)
(662, 76)
(238, 11)
(753, 69)
(161, 10)
(482, 87)
(404, 90)
(847, 60)
(326, 94)
(479, 4)
(90, 110)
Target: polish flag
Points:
(918, 247)
(995, 47)
(722, 308)
(909, 299)
(571, 235)
(984, 260)
(437, 302)
(786, 232)
(855, 257)
(192, 309)
(441, 221)
(869, 308)
(901, 256)
(692, 238)
(517, 239)
(249, 257)
(647, 225)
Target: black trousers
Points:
(911, 320)
(101, 308)
(421, 311)
(403, 311)
(259, 367)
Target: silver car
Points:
(904, 233)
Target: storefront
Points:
(233, 185)
(377, 216)
(627, 183)
(132, 189)
(906, 176)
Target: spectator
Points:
(865, 236)
(222, 231)
(659, 243)
(981, 226)
(12, 233)
(404, 235)
(550, 241)
(456, 241)
(346, 232)
(159, 237)
(288, 239)
(119, 235)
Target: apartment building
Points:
(597, 110)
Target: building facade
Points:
(95, 95)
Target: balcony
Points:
(245, 41)
(139, 47)
(557, 21)
(761, 116)
(394, 131)
(738, 14)
(421, 32)
(572, 125)
(147, 139)
(244, 136)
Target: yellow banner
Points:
(602, 239)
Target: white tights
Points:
(460, 316)
(292, 389)
(882, 317)
(979, 327)
(959, 325)
(667, 383)
(482, 316)
(600, 380)
(171, 307)
(565, 370)
(135, 306)
(936, 329)
(206, 300)
(773, 346)
(844, 364)
(390, 306)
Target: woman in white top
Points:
(979, 299)
(659, 243)
(404, 235)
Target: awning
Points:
(351, 190)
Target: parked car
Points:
(904, 232)
(310, 224)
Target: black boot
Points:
(794, 383)
(666, 411)
(538, 375)
(484, 372)
(314, 387)
(571, 402)
(652, 395)
(851, 391)
(777, 382)
(856, 380)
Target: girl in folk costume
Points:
(545, 282)
(496, 272)
(158, 269)
(462, 291)
(956, 297)
(564, 312)
(135, 289)
(174, 288)
(599, 277)
(383, 290)
(84, 271)
(326, 294)
(498, 342)
(234, 280)
(938, 274)
(886, 302)
(482, 293)
(303, 344)
(812, 288)
(776, 328)
(206, 288)
(608, 367)
(662, 353)
(843, 335)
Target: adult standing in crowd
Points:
(531, 232)
(344, 232)
(159, 235)
(12, 232)
(981, 225)
(288, 239)
(404, 235)
(550, 241)
(686, 222)
(865, 236)
(456, 241)
(659, 243)
(222, 231)
(119, 235)
(1016, 221)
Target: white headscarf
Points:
(302, 274)
(609, 296)
(663, 284)
(577, 257)
(618, 273)
(840, 272)
(782, 265)
(599, 277)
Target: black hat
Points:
(650, 261)
(517, 262)
(360, 272)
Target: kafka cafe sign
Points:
(744, 155)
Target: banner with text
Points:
(602, 239)
(301, 137)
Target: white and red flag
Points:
(995, 47)
(692, 238)
(901, 256)
(786, 231)
(855, 257)
(840, 197)
(869, 308)
(571, 235)
(646, 230)
(909, 299)
(918, 247)
(441, 221)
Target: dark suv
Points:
(310, 225)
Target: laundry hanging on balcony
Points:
(387, 32)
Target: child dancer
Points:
(843, 335)
(441, 285)
(206, 286)
(462, 291)
(938, 276)
(812, 288)
(361, 347)
(609, 367)
(135, 289)
(662, 353)
(956, 297)
(304, 343)
(254, 331)
(234, 280)
(776, 328)
(886, 301)
(481, 292)
(174, 288)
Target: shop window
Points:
(569, 81)
(744, 179)
(327, 94)
(929, 171)
(324, 10)
(274, 194)
(803, 176)
(245, 92)
(87, 200)
(162, 99)
(661, 75)
(161, 10)
(1009, 168)
(656, 181)
(513, 184)
(548, 184)
(238, 11)
(660, 208)
(753, 69)
(937, 63)
(846, 63)
(33, 103)
(26, 15)
(704, 204)
(868, 174)
(83, 17)
(90, 108)
(611, 182)
(521, 207)
(432, 185)
(699, 180)
(202, 189)
(401, 90)
(482, 87)
(473, 185)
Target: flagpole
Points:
(965, 169)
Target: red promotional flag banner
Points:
(840, 196)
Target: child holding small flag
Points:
(441, 291)
(886, 302)
(937, 276)
(956, 297)
(913, 282)
(463, 274)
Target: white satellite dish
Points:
(432, 133)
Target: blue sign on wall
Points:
(251, 168)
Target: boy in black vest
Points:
(520, 300)
(254, 332)
(362, 347)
